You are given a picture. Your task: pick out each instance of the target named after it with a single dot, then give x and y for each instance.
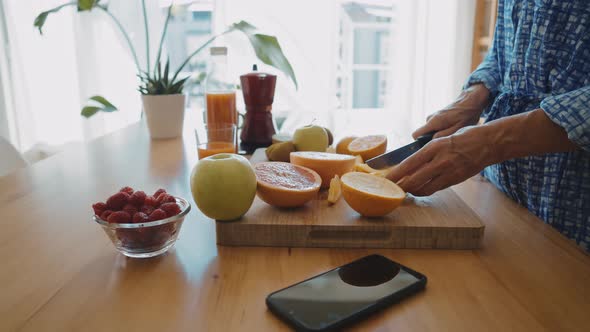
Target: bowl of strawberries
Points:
(141, 225)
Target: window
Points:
(190, 27)
(364, 42)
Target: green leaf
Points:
(84, 5)
(244, 27)
(40, 21)
(166, 68)
(267, 49)
(177, 87)
(102, 100)
(89, 111)
(41, 18)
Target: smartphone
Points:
(345, 294)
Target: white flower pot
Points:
(164, 114)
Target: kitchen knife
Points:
(396, 156)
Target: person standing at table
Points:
(533, 89)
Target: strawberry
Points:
(151, 201)
(140, 217)
(105, 215)
(147, 209)
(119, 217)
(158, 214)
(99, 208)
(137, 198)
(165, 198)
(158, 192)
(117, 201)
(130, 208)
(127, 190)
(171, 209)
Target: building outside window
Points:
(363, 70)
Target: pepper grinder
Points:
(259, 90)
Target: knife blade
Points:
(396, 156)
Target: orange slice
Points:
(335, 190)
(368, 146)
(370, 195)
(327, 165)
(286, 185)
(364, 168)
(342, 146)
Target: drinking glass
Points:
(216, 138)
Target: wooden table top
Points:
(59, 271)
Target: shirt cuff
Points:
(487, 79)
(571, 111)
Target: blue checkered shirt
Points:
(540, 58)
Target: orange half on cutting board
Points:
(327, 165)
(371, 195)
(286, 185)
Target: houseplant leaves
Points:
(267, 49)
(83, 5)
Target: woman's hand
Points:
(465, 111)
(452, 159)
(445, 161)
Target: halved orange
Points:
(342, 146)
(327, 165)
(286, 185)
(368, 146)
(371, 195)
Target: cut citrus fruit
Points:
(364, 168)
(370, 195)
(342, 146)
(368, 146)
(382, 172)
(286, 185)
(325, 164)
(335, 190)
(358, 160)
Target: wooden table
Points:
(59, 272)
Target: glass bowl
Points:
(148, 239)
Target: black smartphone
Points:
(345, 294)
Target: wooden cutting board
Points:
(441, 221)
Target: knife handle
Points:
(424, 139)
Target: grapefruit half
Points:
(286, 185)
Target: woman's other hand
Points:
(465, 111)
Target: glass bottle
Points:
(220, 93)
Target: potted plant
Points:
(161, 89)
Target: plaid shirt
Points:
(540, 58)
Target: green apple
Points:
(310, 138)
(223, 186)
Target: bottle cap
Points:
(218, 50)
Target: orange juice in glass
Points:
(216, 138)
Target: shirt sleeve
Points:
(487, 73)
(571, 111)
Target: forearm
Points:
(476, 95)
(530, 133)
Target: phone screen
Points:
(329, 298)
